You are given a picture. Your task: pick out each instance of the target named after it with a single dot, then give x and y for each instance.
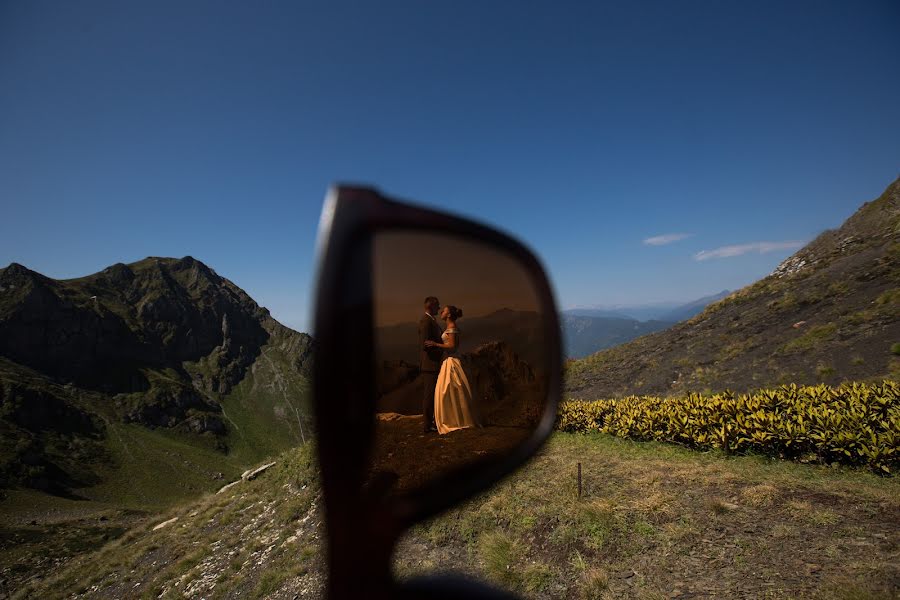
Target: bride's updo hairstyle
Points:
(454, 312)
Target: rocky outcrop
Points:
(506, 390)
(169, 405)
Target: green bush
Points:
(854, 423)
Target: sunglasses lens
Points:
(466, 382)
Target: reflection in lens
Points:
(460, 362)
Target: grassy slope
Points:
(156, 468)
(269, 410)
(655, 521)
(145, 471)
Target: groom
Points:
(429, 358)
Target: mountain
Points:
(644, 312)
(829, 312)
(142, 383)
(520, 330)
(585, 335)
(659, 311)
(691, 309)
(588, 330)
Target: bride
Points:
(452, 395)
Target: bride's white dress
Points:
(452, 395)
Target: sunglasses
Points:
(412, 419)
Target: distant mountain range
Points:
(671, 312)
(830, 312)
(587, 330)
(519, 330)
(143, 382)
(583, 335)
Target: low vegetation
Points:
(855, 424)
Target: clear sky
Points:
(587, 129)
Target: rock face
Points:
(102, 331)
(506, 390)
(830, 312)
(159, 343)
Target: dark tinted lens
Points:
(459, 384)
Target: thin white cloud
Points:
(739, 249)
(668, 238)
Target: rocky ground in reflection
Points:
(401, 448)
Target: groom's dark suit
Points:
(429, 364)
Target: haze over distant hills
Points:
(828, 313)
(584, 335)
(690, 309)
(656, 311)
(642, 312)
(142, 383)
(587, 330)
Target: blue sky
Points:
(586, 129)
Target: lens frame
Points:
(351, 217)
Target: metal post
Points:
(579, 480)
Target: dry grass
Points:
(759, 496)
(654, 518)
(594, 582)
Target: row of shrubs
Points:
(854, 423)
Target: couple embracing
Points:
(447, 402)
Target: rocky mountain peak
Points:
(118, 274)
(154, 313)
(17, 273)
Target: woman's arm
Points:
(450, 345)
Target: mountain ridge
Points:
(656, 311)
(584, 335)
(586, 331)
